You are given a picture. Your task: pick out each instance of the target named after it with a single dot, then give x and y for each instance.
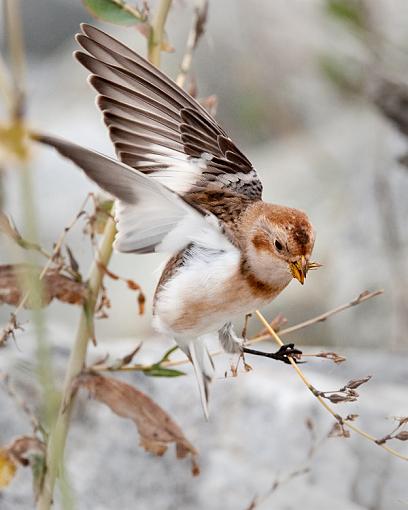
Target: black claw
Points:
(282, 354)
(286, 351)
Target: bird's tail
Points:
(204, 369)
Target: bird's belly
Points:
(203, 295)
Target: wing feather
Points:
(150, 217)
(158, 128)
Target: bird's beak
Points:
(299, 269)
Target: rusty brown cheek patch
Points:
(261, 242)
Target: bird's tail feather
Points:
(204, 370)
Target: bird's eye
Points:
(278, 245)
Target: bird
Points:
(183, 187)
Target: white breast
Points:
(203, 295)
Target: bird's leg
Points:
(244, 339)
(282, 354)
(229, 340)
(232, 343)
(245, 328)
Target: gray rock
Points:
(255, 435)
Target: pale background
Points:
(317, 146)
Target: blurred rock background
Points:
(257, 435)
(295, 83)
(287, 80)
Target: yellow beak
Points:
(299, 269)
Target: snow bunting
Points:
(183, 187)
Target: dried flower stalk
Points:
(342, 422)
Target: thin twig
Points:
(364, 296)
(5, 379)
(140, 15)
(51, 257)
(196, 31)
(278, 482)
(341, 421)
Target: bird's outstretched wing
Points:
(156, 127)
(150, 217)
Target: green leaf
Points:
(348, 11)
(114, 11)
(167, 355)
(158, 371)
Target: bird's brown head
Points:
(279, 244)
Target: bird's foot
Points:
(282, 354)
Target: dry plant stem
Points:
(321, 318)
(17, 110)
(17, 116)
(16, 50)
(192, 41)
(57, 440)
(157, 32)
(314, 391)
(58, 435)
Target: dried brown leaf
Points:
(122, 362)
(24, 446)
(132, 285)
(156, 429)
(402, 420)
(402, 436)
(355, 383)
(333, 356)
(129, 357)
(107, 271)
(55, 286)
(336, 398)
(23, 451)
(72, 260)
(338, 430)
(383, 440)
